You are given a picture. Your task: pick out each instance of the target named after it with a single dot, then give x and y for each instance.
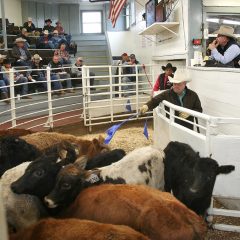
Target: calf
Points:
(190, 177)
(158, 215)
(70, 229)
(40, 176)
(141, 166)
(43, 140)
(17, 132)
(21, 210)
(14, 151)
(105, 159)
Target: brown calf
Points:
(75, 229)
(17, 132)
(43, 140)
(158, 215)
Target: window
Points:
(128, 16)
(214, 21)
(91, 22)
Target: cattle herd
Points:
(59, 186)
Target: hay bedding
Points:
(130, 137)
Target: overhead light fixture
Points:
(214, 20)
(232, 22)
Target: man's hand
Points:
(143, 109)
(213, 45)
(183, 115)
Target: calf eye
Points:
(39, 173)
(66, 186)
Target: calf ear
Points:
(81, 162)
(225, 169)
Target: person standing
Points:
(162, 82)
(179, 95)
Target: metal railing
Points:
(209, 141)
(47, 110)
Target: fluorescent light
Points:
(214, 20)
(225, 21)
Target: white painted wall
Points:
(130, 41)
(13, 11)
(221, 3)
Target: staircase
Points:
(94, 50)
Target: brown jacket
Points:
(190, 101)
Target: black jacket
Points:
(190, 101)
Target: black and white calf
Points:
(141, 166)
(190, 177)
(40, 176)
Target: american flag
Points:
(115, 9)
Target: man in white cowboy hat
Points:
(224, 48)
(29, 25)
(45, 42)
(20, 53)
(179, 95)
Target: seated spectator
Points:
(224, 48)
(4, 88)
(30, 27)
(57, 39)
(63, 54)
(20, 53)
(45, 42)
(48, 26)
(38, 72)
(77, 71)
(2, 57)
(59, 73)
(18, 78)
(24, 35)
(162, 82)
(59, 28)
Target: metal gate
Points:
(209, 142)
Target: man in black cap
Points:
(48, 25)
(163, 82)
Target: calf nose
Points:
(49, 202)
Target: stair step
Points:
(91, 43)
(88, 37)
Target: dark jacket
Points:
(55, 65)
(161, 82)
(49, 28)
(190, 101)
(29, 28)
(38, 72)
(221, 50)
(16, 53)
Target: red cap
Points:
(124, 54)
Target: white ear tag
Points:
(93, 178)
(58, 160)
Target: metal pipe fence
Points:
(111, 92)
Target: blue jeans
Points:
(3, 84)
(24, 88)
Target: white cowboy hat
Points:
(29, 19)
(226, 31)
(37, 57)
(18, 40)
(180, 76)
(45, 32)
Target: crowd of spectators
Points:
(20, 58)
